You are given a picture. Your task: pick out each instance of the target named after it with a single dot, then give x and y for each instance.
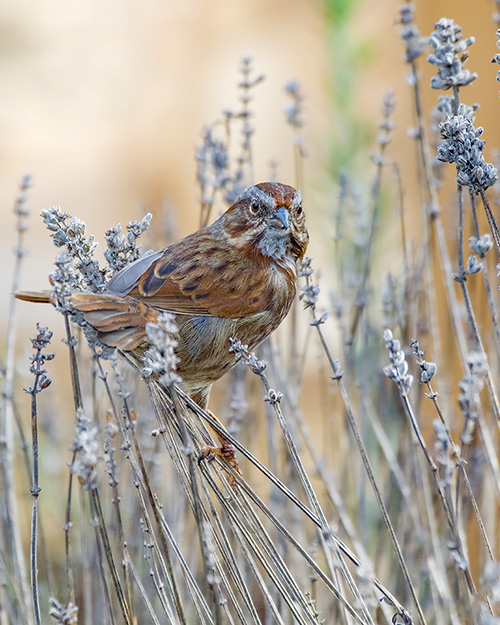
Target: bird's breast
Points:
(204, 339)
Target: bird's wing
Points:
(201, 275)
(127, 278)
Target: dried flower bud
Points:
(462, 146)
(481, 245)
(242, 352)
(473, 266)
(398, 369)
(449, 56)
(160, 359)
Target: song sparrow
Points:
(234, 278)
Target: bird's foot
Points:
(226, 451)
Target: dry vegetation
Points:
(386, 511)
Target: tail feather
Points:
(120, 321)
(39, 297)
(107, 321)
(127, 339)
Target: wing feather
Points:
(199, 275)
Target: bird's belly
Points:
(203, 348)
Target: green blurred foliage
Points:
(350, 54)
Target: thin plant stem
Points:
(147, 486)
(434, 217)
(73, 363)
(492, 222)
(97, 511)
(487, 287)
(460, 463)
(130, 565)
(360, 300)
(461, 278)
(107, 596)
(189, 450)
(337, 376)
(35, 491)
(119, 524)
(78, 403)
(442, 495)
(216, 426)
(6, 424)
(274, 399)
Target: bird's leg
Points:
(226, 449)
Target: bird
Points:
(235, 278)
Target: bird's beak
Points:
(280, 217)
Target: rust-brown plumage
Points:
(234, 278)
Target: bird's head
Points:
(268, 219)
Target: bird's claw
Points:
(226, 451)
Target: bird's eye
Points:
(299, 209)
(254, 207)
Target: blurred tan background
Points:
(104, 103)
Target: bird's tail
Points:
(119, 321)
(39, 297)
